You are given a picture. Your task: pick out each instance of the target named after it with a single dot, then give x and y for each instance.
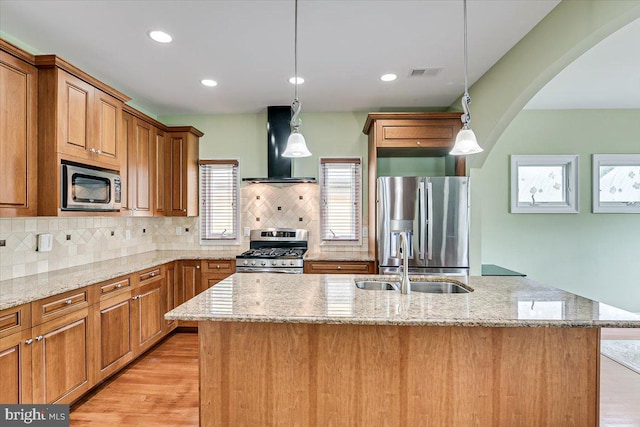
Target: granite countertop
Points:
(26, 289)
(339, 256)
(334, 299)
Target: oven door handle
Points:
(266, 270)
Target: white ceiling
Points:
(606, 76)
(247, 46)
(344, 46)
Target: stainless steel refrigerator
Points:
(435, 213)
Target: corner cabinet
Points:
(409, 135)
(18, 136)
(181, 159)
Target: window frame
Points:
(570, 164)
(235, 240)
(612, 160)
(340, 159)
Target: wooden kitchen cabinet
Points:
(182, 166)
(339, 267)
(18, 135)
(148, 310)
(160, 183)
(214, 271)
(15, 355)
(140, 170)
(63, 362)
(114, 343)
(188, 284)
(169, 296)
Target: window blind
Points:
(219, 204)
(341, 198)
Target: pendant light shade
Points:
(296, 144)
(466, 142)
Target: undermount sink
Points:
(374, 285)
(430, 287)
(438, 288)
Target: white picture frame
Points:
(616, 183)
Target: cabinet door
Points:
(75, 104)
(108, 137)
(15, 368)
(147, 315)
(177, 149)
(190, 283)
(160, 172)
(170, 296)
(62, 367)
(434, 137)
(18, 143)
(140, 173)
(115, 333)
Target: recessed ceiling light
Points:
(388, 77)
(296, 80)
(160, 36)
(209, 82)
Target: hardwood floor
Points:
(161, 389)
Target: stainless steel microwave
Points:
(90, 189)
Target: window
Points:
(616, 183)
(340, 198)
(544, 184)
(219, 207)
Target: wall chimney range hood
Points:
(278, 167)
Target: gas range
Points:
(274, 250)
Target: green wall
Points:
(594, 255)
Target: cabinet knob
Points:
(119, 285)
(68, 302)
(153, 274)
(218, 266)
(136, 297)
(197, 266)
(418, 143)
(29, 341)
(184, 210)
(93, 150)
(339, 267)
(39, 338)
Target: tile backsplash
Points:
(85, 240)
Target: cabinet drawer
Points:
(108, 289)
(219, 266)
(150, 275)
(15, 319)
(60, 305)
(334, 267)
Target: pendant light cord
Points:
(466, 98)
(296, 106)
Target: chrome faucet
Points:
(405, 286)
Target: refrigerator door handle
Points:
(429, 220)
(422, 219)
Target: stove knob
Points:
(284, 263)
(246, 262)
(291, 263)
(253, 263)
(264, 263)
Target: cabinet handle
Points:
(99, 151)
(93, 150)
(68, 302)
(39, 338)
(29, 341)
(153, 274)
(197, 266)
(136, 297)
(119, 285)
(418, 142)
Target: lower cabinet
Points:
(339, 267)
(169, 296)
(15, 368)
(188, 284)
(147, 315)
(115, 329)
(61, 358)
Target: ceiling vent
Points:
(425, 72)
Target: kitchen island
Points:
(315, 350)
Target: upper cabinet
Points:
(18, 136)
(182, 170)
(82, 120)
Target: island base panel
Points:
(359, 375)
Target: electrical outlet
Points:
(127, 235)
(365, 232)
(178, 231)
(247, 232)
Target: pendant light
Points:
(296, 145)
(466, 142)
